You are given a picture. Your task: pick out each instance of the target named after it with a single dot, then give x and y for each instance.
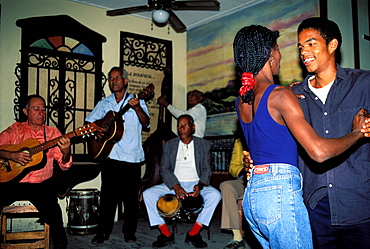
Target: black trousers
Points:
(326, 236)
(120, 183)
(44, 197)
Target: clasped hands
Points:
(365, 118)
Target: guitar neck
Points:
(149, 89)
(122, 111)
(49, 144)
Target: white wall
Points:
(340, 11)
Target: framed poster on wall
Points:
(148, 60)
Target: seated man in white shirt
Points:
(185, 168)
(196, 110)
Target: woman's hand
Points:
(248, 164)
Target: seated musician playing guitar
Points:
(121, 167)
(36, 186)
(185, 167)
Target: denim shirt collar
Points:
(303, 88)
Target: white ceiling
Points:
(191, 18)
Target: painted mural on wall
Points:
(211, 67)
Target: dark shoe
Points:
(235, 245)
(61, 245)
(99, 238)
(163, 240)
(130, 238)
(60, 241)
(195, 240)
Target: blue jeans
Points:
(273, 206)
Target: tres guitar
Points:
(100, 148)
(10, 169)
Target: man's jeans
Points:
(273, 206)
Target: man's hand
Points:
(20, 157)
(180, 192)
(197, 188)
(248, 164)
(162, 101)
(134, 103)
(100, 131)
(360, 122)
(299, 96)
(365, 129)
(65, 145)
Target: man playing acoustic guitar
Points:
(36, 186)
(121, 170)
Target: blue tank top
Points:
(268, 141)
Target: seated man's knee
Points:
(227, 186)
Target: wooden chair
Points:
(18, 240)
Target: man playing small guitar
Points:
(121, 170)
(37, 186)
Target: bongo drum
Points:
(192, 205)
(168, 206)
(83, 211)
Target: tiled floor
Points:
(146, 236)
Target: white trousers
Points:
(211, 197)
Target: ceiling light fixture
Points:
(160, 16)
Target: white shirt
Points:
(199, 114)
(129, 148)
(185, 170)
(321, 93)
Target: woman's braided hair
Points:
(252, 48)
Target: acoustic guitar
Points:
(100, 148)
(10, 169)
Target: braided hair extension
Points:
(252, 48)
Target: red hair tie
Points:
(248, 83)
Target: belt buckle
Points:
(261, 169)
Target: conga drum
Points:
(83, 211)
(192, 205)
(168, 206)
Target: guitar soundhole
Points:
(106, 126)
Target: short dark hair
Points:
(32, 96)
(328, 29)
(197, 93)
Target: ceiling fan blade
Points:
(176, 23)
(130, 10)
(196, 5)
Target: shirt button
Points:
(325, 113)
(316, 98)
(330, 185)
(327, 131)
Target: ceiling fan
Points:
(162, 6)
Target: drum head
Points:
(76, 193)
(193, 205)
(168, 205)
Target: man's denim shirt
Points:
(346, 178)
